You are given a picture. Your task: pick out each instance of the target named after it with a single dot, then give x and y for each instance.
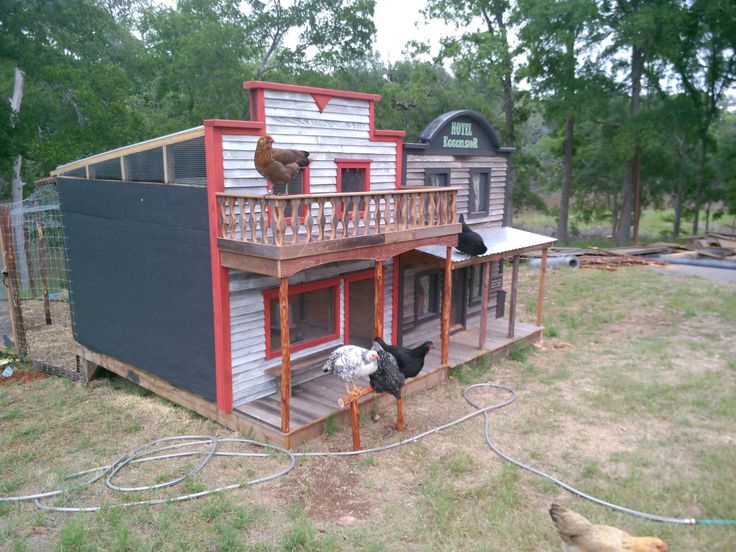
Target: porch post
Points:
(378, 301)
(540, 294)
(445, 330)
(514, 289)
(484, 306)
(285, 353)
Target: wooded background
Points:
(613, 105)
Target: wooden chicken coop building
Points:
(194, 277)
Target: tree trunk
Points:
(700, 183)
(16, 189)
(562, 234)
(637, 193)
(637, 66)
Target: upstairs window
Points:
(296, 186)
(353, 176)
(478, 199)
(437, 178)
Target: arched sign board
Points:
(458, 133)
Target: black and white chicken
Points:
(411, 361)
(351, 363)
(469, 241)
(387, 378)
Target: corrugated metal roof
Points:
(498, 241)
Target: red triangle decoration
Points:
(321, 100)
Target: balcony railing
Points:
(299, 219)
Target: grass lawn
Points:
(631, 398)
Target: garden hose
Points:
(151, 452)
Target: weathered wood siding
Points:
(341, 131)
(248, 325)
(460, 177)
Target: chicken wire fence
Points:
(35, 317)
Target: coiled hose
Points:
(151, 452)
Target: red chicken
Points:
(278, 166)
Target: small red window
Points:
(353, 175)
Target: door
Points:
(359, 312)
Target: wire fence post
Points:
(10, 280)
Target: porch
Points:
(314, 401)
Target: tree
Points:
(706, 66)
(482, 52)
(555, 36)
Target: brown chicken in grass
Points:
(580, 535)
(278, 166)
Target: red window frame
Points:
(271, 294)
(353, 164)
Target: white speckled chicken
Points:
(351, 363)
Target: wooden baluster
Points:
(356, 220)
(443, 208)
(242, 219)
(431, 215)
(280, 221)
(413, 210)
(377, 214)
(333, 219)
(345, 217)
(405, 211)
(231, 219)
(223, 218)
(453, 207)
(321, 220)
(253, 221)
(295, 220)
(308, 221)
(266, 215)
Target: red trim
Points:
(321, 100)
(395, 300)
(239, 127)
(262, 85)
(271, 294)
(213, 131)
(258, 107)
(395, 136)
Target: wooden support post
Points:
(285, 353)
(540, 293)
(42, 270)
(378, 301)
(514, 289)
(11, 281)
(354, 413)
(400, 412)
(484, 306)
(445, 319)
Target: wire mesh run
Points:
(35, 315)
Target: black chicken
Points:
(470, 242)
(411, 361)
(387, 378)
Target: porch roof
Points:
(501, 242)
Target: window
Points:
(480, 181)
(437, 178)
(353, 176)
(313, 316)
(427, 295)
(477, 273)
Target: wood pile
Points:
(713, 246)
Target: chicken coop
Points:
(195, 277)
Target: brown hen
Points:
(278, 166)
(580, 535)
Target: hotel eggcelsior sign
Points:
(460, 136)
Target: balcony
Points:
(281, 235)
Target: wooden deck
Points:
(316, 400)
